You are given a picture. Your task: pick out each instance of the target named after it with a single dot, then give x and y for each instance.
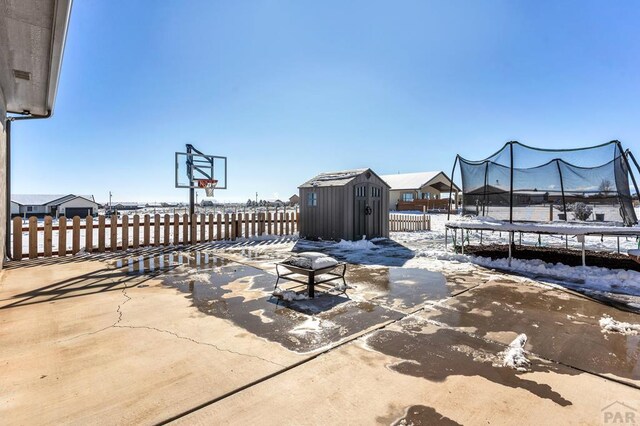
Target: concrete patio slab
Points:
(561, 326)
(424, 372)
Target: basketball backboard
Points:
(190, 167)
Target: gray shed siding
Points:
(334, 216)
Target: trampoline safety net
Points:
(523, 183)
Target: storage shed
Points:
(348, 205)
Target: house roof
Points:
(339, 178)
(412, 180)
(42, 199)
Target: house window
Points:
(312, 199)
(29, 208)
(407, 197)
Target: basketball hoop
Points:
(208, 185)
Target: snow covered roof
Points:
(412, 180)
(333, 178)
(42, 199)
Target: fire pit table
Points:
(296, 273)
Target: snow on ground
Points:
(362, 244)
(514, 356)
(609, 325)
(429, 252)
(289, 295)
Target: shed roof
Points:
(412, 180)
(339, 178)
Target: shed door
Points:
(375, 218)
(359, 207)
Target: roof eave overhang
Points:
(61, 19)
(60, 27)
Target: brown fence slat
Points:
(113, 232)
(101, 234)
(218, 227)
(245, 217)
(146, 233)
(167, 229)
(203, 224)
(234, 227)
(136, 231)
(62, 236)
(156, 229)
(176, 229)
(17, 238)
(125, 232)
(48, 236)
(88, 235)
(210, 236)
(33, 237)
(226, 226)
(185, 229)
(75, 237)
(193, 239)
(269, 223)
(286, 221)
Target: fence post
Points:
(268, 223)
(17, 238)
(226, 226)
(62, 236)
(48, 236)
(75, 245)
(185, 229)
(33, 237)
(136, 231)
(88, 234)
(167, 229)
(156, 229)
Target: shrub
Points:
(581, 211)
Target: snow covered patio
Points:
(195, 337)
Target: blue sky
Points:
(287, 89)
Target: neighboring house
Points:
(410, 187)
(294, 199)
(125, 205)
(41, 205)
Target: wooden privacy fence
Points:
(409, 222)
(91, 235)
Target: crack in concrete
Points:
(144, 327)
(117, 324)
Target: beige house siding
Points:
(395, 195)
(78, 202)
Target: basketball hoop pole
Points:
(192, 191)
